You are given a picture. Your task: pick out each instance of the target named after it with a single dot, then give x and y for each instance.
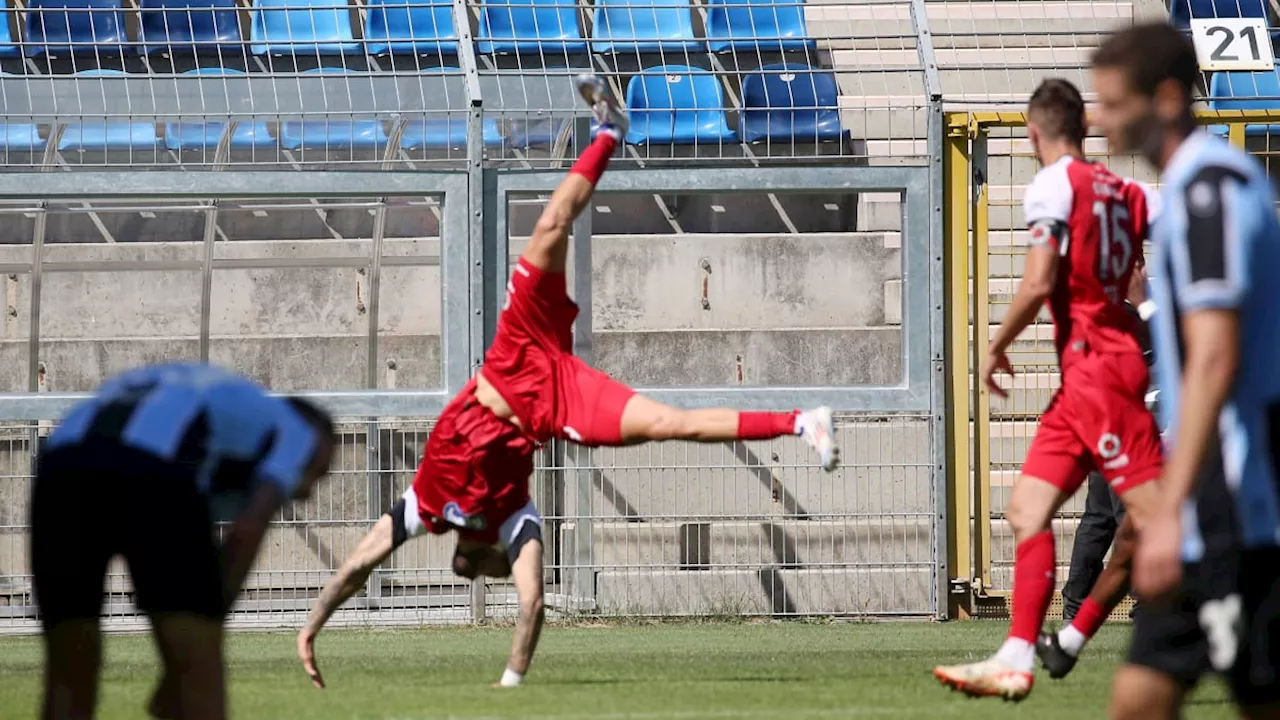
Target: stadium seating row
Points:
(1181, 12)
(295, 27)
(1258, 90)
(670, 105)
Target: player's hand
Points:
(1157, 562)
(996, 360)
(307, 654)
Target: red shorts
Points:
(531, 364)
(1098, 420)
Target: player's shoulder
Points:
(1209, 161)
(1051, 193)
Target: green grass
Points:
(685, 671)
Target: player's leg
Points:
(1052, 472)
(193, 684)
(1094, 536)
(1255, 676)
(1168, 653)
(1141, 693)
(1059, 651)
(647, 420)
(72, 541)
(177, 576)
(548, 245)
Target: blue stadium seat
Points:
(201, 135)
(676, 104)
(530, 26)
(1182, 11)
(104, 134)
(8, 46)
(187, 26)
(643, 26)
(762, 25)
(410, 27)
(20, 137)
(536, 132)
(1246, 91)
(70, 26)
(294, 27)
(790, 101)
(333, 134)
(440, 133)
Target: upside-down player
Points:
(1087, 226)
(474, 474)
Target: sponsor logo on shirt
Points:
(454, 516)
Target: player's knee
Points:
(532, 607)
(1026, 521)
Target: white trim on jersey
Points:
(1049, 196)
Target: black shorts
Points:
(1172, 638)
(98, 499)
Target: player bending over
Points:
(142, 470)
(474, 474)
(1207, 565)
(1087, 226)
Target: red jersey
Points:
(1107, 218)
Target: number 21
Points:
(1115, 250)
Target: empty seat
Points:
(410, 27)
(446, 133)
(333, 134)
(20, 137)
(8, 46)
(1182, 11)
(187, 26)
(763, 25)
(790, 101)
(530, 26)
(536, 132)
(293, 27)
(1258, 90)
(205, 135)
(107, 134)
(676, 104)
(643, 26)
(75, 26)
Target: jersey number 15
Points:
(1115, 248)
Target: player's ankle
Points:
(1071, 640)
(1017, 654)
(612, 131)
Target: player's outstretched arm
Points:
(369, 554)
(526, 573)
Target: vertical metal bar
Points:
(937, 358)
(37, 280)
(956, 261)
(924, 48)
(578, 458)
(206, 279)
(981, 333)
(475, 216)
(372, 437)
(1235, 133)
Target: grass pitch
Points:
(683, 671)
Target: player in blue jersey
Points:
(1211, 552)
(142, 470)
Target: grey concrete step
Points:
(765, 592)
(868, 540)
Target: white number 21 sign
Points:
(1232, 44)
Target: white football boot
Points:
(604, 104)
(819, 434)
(989, 678)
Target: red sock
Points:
(592, 162)
(1089, 617)
(1033, 581)
(766, 425)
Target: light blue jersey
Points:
(193, 413)
(1217, 246)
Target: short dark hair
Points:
(1058, 109)
(316, 416)
(1149, 54)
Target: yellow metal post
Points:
(1235, 134)
(956, 173)
(981, 338)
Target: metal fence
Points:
(757, 272)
